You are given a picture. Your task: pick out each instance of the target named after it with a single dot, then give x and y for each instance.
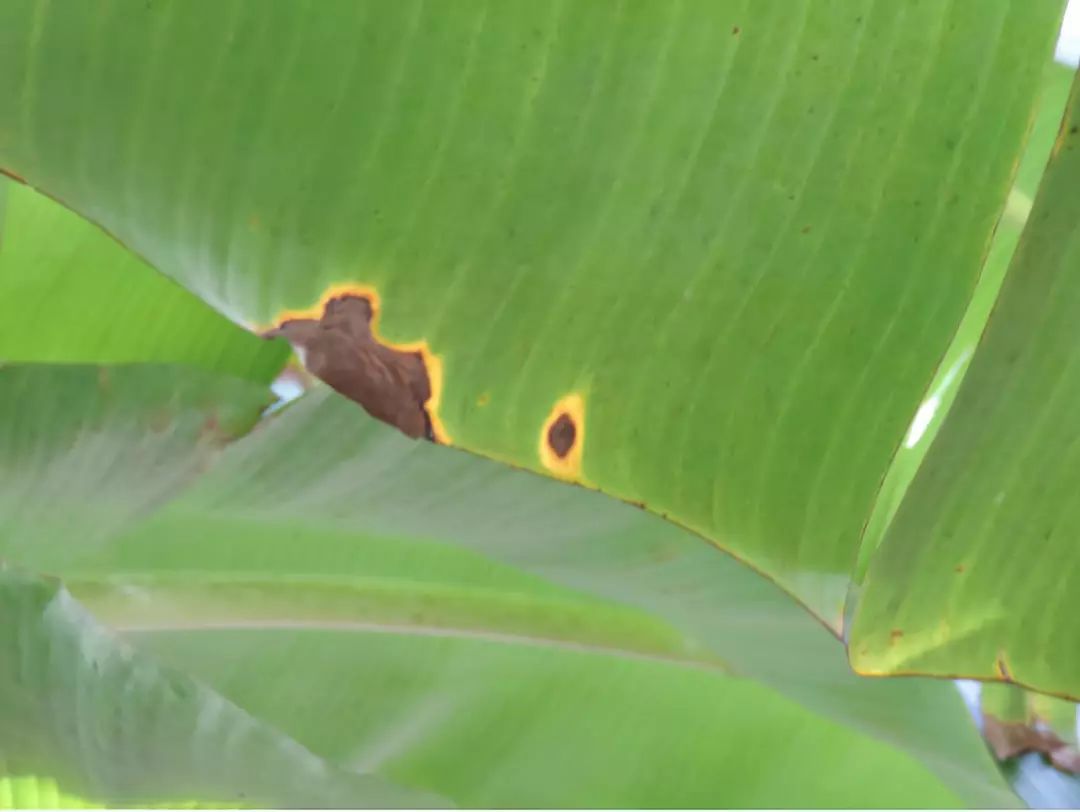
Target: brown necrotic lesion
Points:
(392, 385)
(562, 437)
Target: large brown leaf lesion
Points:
(391, 385)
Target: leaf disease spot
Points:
(563, 437)
(338, 342)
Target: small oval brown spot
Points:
(561, 439)
(959, 568)
(895, 635)
(561, 435)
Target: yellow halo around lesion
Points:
(432, 362)
(565, 420)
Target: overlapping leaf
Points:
(110, 723)
(71, 294)
(975, 576)
(350, 587)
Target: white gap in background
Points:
(1068, 47)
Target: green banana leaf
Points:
(71, 294)
(728, 267)
(953, 367)
(719, 231)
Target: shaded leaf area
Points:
(69, 293)
(500, 726)
(725, 228)
(85, 451)
(476, 630)
(942, 392)
(108, 722)
(976, 569)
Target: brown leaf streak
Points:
(392, 385)
(15, 176)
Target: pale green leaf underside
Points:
(86, 451)
(111, 724)
(336, 581)
(331, 542)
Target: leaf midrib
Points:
(141, 604)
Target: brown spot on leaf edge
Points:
(1002, 668)
(392, 383)
(15, 176)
